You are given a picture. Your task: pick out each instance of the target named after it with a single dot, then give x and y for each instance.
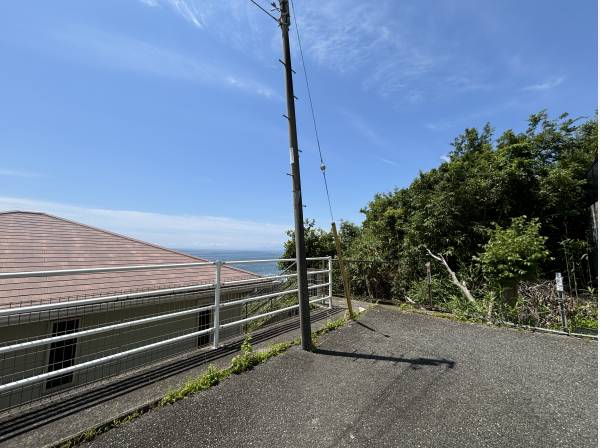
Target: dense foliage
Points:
(496, 209)
(514, 253)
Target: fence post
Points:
(330, 268)
(216, 320)
(428, 266)
(561, 301)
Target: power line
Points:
(312, 110)
(265, 11)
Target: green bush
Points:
(584, 316)
(443, 292)
(514, 253)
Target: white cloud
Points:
(17, 173)
(387, 161)
(130, 54)
(546, 85)
(189, 10)
(240, 24)
(350, 36)
(345, 36)
(395, 49)
(177, 231)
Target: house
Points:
(38, 307)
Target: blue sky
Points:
(162, 118)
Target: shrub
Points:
(443, 292)
(514, 253)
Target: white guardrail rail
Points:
(217, 285)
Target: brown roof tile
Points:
(31, 241)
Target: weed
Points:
(211, 377)
(89, 435)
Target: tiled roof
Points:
(31, 241)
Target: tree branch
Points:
(453, 277)
(409, 300)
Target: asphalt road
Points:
(391, 380)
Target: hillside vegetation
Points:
(505, 213)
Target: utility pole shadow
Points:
(415, 363)
(374, 330)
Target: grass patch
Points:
(245, 361)
(91, 434)
(463, 317)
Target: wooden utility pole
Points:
(305, 331)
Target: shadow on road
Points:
(374, 330)
(415, 363)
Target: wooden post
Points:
(428, 266)
(338, 248)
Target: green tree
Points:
(319, 242)
(540, 172)
(486, 182)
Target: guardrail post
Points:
(216, 320)
(330, 268)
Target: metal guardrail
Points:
(127, 296)
(111, 328)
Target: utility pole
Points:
(305, 331)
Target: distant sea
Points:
(265, 268)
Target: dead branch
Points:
(409, 300)
(463, 288)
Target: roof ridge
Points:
(6, 212)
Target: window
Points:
(204, 318)
(62, 353)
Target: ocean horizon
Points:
(264, 268)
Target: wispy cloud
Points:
(17, 173)
(440, 125)
(360, 37)
(126, 53)
(240, 24)
(546, 85)
(376, 141)
(189, 10)
(363, 128)
(387, 161)
(188, 231)
(378, 41)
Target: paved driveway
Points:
(394, 379)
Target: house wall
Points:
(17, 365)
